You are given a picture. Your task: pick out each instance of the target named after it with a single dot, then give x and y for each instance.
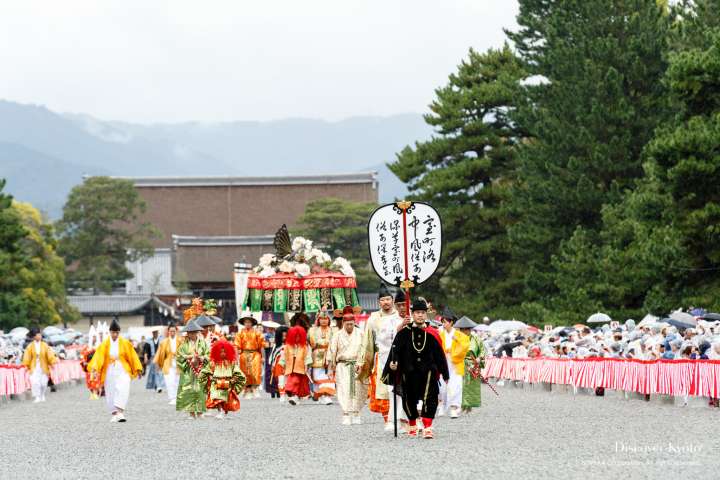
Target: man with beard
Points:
(415, 364)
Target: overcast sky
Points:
(221, 60)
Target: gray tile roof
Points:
(114, 304)
(225, 180)
(217, 241)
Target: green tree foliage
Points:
(687, 154)
(623, 269)
(465, 171)
(694, 24)
(101, 230)
(32, 275)
(13, 307)
(599, 98)
(339, 227)
(610, 198)
(44, 270)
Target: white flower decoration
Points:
(267, 272)
(298, 243)
(302, 269)
(266, 260)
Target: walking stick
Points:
(394, 395)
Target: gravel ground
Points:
(524, 433)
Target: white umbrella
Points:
(19, 332)
(482, 328)
(647, 320)
(270, 324)
(502, 326)
(51, 331)
(599, 318)
(681, 316)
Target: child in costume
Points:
(296, 361)
(93, 384)
(277, 380)
(223, 379)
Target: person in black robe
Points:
(414, 366)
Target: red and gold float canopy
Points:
(290, 281)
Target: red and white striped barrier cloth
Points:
(15, 379)
(699, 378)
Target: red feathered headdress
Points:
(217, 347)
(296, 336)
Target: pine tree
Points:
(465, 171)
(598, 99)
(687, 154)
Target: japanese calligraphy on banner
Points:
(405, 240)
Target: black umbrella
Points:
(712, 317)
(677, 323)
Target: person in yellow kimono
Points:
(115, 363)
(455, 345)
(165, 360)
(38, 358)
(250, 344)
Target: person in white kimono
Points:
(165, 361)
(116, 363)
(345, 349)
(380, 329)
(38, 358)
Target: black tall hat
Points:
(419, 305)
(33, 331)
(448, 314)
(400, 296)
(384, 292)
(114, 326)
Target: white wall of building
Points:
(153, 275)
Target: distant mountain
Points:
(43, 153)
(40, 179)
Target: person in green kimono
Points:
(223, 379)
(191, 357)
(474, 361)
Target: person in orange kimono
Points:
(92, 384)
(296, 360)
(250, 344)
